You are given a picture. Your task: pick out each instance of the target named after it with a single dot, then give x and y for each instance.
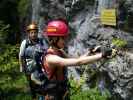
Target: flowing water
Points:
(35, 10)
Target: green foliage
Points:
(8, 58)
(4, 30)
(120, 43)
(91, 94)
(23, 7)
(76, 85)
(13, 84)
(76, 93)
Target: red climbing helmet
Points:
(57, 28)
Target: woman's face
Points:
(33, 34)
(61, 42)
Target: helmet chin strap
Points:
(55, 43)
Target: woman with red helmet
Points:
(55, 61)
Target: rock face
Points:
(129, 7)
(115, 73)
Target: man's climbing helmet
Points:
(32, 26)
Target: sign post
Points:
(108, 17)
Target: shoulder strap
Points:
(41, 41)
(27, 43)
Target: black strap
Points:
(54, 73)
(41, 41)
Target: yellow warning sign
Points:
(108, 17)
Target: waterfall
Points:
(35, 10)
(103, 4)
